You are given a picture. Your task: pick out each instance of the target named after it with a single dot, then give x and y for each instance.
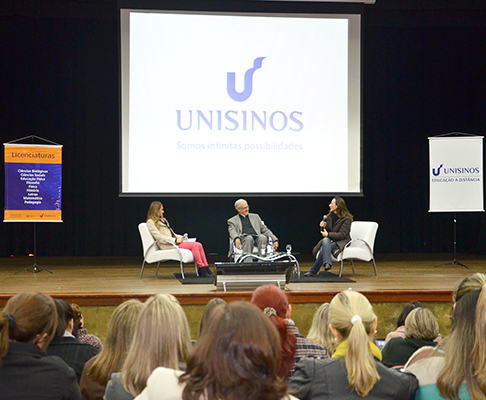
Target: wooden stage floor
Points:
(109, 280)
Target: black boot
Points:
(205, 272)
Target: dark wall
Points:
(424, 74)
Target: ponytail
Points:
(274, 304)
(288, 346)
(360, 364)
(7, 322)
(351, 314)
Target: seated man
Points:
(247, 229)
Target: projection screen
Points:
(230, 104)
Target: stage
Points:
(99, 284)
(110, 280)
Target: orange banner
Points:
(34, 154)
(32, 215)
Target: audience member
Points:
(80, 332)
(355, 370)
(161, 339)
(274, 303)
(212, 304)
(98, 370)
(469, 284)
(400, 330)
(320, 331)
(456, 369)
(421, 329)
(26, 373)
(65, 345)
(236, 357)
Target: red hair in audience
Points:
(274, 303)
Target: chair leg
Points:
(157, 272)
(341, 268)
(182, 270)
(352, 266)
(197, 269)
(374, 266)
(141, 272)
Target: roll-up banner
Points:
(33, 183)
(456, 173)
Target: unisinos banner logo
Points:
(456, 173)
(33, 183)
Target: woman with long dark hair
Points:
(335, 231)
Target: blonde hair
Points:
(469, 284)
(360, 364)
(320, 331)
(421, 324)
(162, 339)
(153, 212)
(119, 336)
(465, 349)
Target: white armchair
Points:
(152, 253)
(361, 245)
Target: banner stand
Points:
(454, 261)
(34, 267)
(456, 172)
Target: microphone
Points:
(324, 218)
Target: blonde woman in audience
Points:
(421, 329)
(162, 339)
(456, 369)
(236, 358)
(320, 330)
(355, 370)
(98, 370)
(26, 373)
(468, 284)
(400, 330)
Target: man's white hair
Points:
(238, 202)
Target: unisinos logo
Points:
(237, 119)
(455, 174)
(437, 172)
(230, 82)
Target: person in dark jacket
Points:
(65, 345)
(421, 329)
(26, 373)
(335, 231)
(354, 371)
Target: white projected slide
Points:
(240, 104)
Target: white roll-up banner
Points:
(456, 173)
